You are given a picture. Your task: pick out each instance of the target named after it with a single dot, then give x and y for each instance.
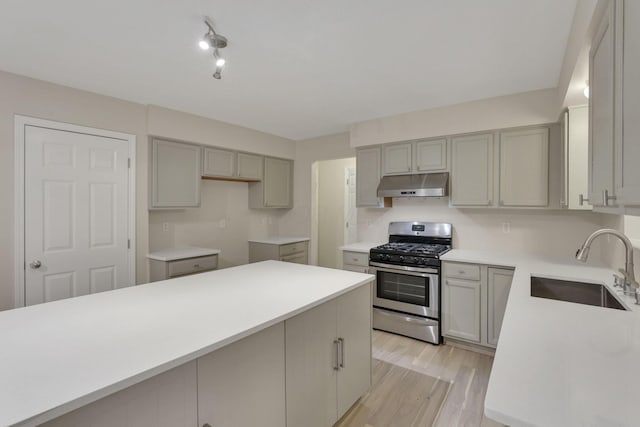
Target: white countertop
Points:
(363, 247)
(560, 363)
(280, 240)
(59, 356)
(173, 254)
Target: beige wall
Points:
(223, 221)
(34, 98)
(331, 219)
(522, 109)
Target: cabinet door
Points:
(367, 177)
(628, 176)
(524, 168)
(462, 309)
(175, 174)
(397, 159)
(243, 383)
(249, 166)
(165, 400)
(218, 162)
(311, 367)
(577, 171)
(601, 109)
(430, 155)
(472, 170)
(354, 329)
(277, 183)
(498, 286)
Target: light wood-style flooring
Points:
(467, 371)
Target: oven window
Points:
(403, 288)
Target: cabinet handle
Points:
(196, 265)
(336, 345)
(341, 345)
(606, 197)
(582, 199)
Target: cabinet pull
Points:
(196, 265)
(582, 199)
(336, 345)
(341, 345)
(606, 197)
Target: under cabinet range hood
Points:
(418, 185)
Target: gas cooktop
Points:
(418, 249)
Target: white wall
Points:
(540, 232)
(35, 98)
(522, 109)
(331, 220)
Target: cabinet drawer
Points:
(192, 265)
(292, 248)
(300, 258)
(355, 258)
(356, 268)
(462, 271)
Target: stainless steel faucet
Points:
(629, 283)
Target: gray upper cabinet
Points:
(249, 166)
(472, 170)
(601, 111)
(368, 173)
(175, 174)
(524, 168)
(430, 155)
(397, 159)
(276, 188)
(218, 162)
(574, 179)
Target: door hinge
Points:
(129, 162)
(128, 243)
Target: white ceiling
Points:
(296, 68)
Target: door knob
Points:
(35, 264)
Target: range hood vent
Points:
(420, 185)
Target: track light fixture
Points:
(211, 39)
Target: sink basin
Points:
(578, 292)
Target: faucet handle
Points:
(618, 281)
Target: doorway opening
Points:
(334, 213)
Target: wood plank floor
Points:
(467, 371)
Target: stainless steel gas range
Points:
(407, 269)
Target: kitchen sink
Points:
(578, 292)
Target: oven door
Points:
(406, 289)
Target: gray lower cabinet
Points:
(328, 353)
(243, 384)
(355, 261)
(276, 188)
(297, 252)
(162, 270)
(175, 174)
(474, 302)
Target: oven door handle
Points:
(373, 269)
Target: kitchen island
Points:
(559, 363)
(136, 351)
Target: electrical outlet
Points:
(506, 227)
(165, 226)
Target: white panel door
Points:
(76, 214)
(350, 210)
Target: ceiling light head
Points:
(217, 74)
(220, 62)
(216, 41)
(586, 89)
(204, 43)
